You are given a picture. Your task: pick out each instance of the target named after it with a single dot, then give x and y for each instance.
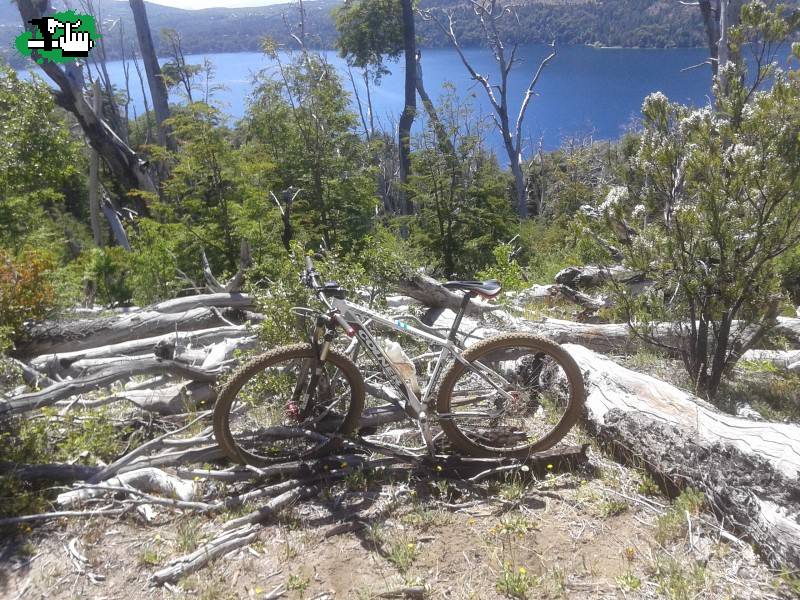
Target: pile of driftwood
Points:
(165, 359)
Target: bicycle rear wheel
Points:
(270, 411)
(521, 394)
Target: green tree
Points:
(41, 169)
(461, 197)
(300, 125)
(370, 31)
(715, 197)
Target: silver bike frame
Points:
(417, 408)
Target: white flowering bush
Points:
(712, 202)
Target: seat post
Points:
(460, 315)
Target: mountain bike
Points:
(510, 395)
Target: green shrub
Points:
(26, 292)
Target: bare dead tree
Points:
(490, 12)
(155, 80)
(149, 124)
(125, 164)
(410, 107)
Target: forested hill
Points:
(630, 23)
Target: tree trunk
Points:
(747, 470)
(158, 90)
(51, 338)
(445, 145)
(94, 176)
(410, 108)
(123, 162)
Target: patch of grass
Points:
(356, 481)
(513, 488)
(515, 524)
(791, 580)
(149, 557)
(187, 535)
(557, 582)
(758, 366)
(644, 358)
(672, 524)
(297, 583)
(426, 518)
(647, 485)
(678, 581)
(628, 582)
(402, 553)
(771, 392)
(612, 508)
(516, 582)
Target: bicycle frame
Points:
(354, 313)
(417, 408)
(348, 315)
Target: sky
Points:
(198, 4)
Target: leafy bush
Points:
(26, 291)
(506, 269)
(107, 269)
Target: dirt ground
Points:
(602, 532)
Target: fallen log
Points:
(54, 337)
(592, 276)
(606, 338)
(747, 469)
(174, 399)
(203, 337)
(143, 480)
(59, 472)
(220, 300)
(431, 293)
(103, 378)
(786, 360)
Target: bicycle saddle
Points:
(487, 289)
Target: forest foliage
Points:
(304, 170)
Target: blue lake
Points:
(583, 91)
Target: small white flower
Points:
(615, 196)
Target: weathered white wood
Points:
(612, 386)
(220, 300)
(174, 399)
(55, 337)
(148, 480)
(748, 470)
(199, 338)
(224, 350)
(606, 338)
(65, 389)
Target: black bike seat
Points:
(488, 289)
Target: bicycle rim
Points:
(278, 408)
(520, 394)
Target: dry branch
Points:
(433, 294)
(105, 377)
(144, 480)
(55, 337)
(231, 539)
(185, 339)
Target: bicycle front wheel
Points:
(277, 407)
(519, 394)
